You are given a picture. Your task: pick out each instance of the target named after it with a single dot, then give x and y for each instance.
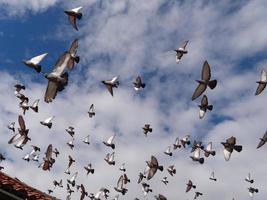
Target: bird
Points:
(58, 184)
(196, 145)
(171, 169)
(252, 190)
(73, 15)
(204, 106)
(196, 157)
(2, 157)
(229, 146)
(120, 186)
(177, 144)
(212, 177)
(152, 167)
(181, 51)
(138, 84)
(205, 81)
(18, 88)
(34, 62)
(102, 192)
(146, 188)
(141, 177)
(147, 129)
(164, 180)
(70, 130)
(209, 151)
(89, 169)
(56, 152)
(11, 126)
(126, 179)
(71, 161)
(110, 84)
(168, 151)
(26, 157)
(262, 83)
(50, 191)
(110, 158)
(91, 111)
(86, 140)
(122, 168)
(34, 106)
(72, 179)
(58, 78)
(109, 142)
(189, 186)
(70, 143)
(24, 104)
(197, 194)
(83, 192)
(69, 190)
(160, 197)
(248, 179)
(185, 140)
(263, 140)
(48, 160)
(48, 122)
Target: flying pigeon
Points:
(185, 140)
(71, 181)
(248, 179)
(229, 146)
(177, 144)
(18, 88)
(34, 106)
(141, 177)
(138, 84)
(91, 111)
(70, 130)
(89, 169)
(73, 15)
(2, 157)
(160, 197)
(122, 168)
(212, 177)
(147, 129)
(196, 157)
(146, 188)
(83, 192)
(168, 151)
(48, 160)
(58, 78)
(204, 82)
(34, 62)
(86, 140)
(58, 184)
(70, 143)
(189, 186)
(196, 145)
(26, 157)
(120, 186)
(109, 142)
(126, 179)
(24, 105)
(152, 167)
(181, 51)
(164, 180)
(11, 126)
(48, 122)
(50, 191)
(171, 169)
(110, 84)
(204, 106)
(209, 150)
(56, 152)
(262, 83)
(71, 161)
(252, 190)
(263, 140)
(69, 190)
(102, 192)
(197, 194)
(110, 158)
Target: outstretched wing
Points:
(51, 91)
(37, 59)
(206, 71)
(199, 90)
(21, 123)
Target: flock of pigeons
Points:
(58, 80)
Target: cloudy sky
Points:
(131, 38)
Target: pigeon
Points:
(168, 151)
(34, 62)
(70, 131)
(86, 140)
(89, 169)
(152, 167)
(171, 170)
(197, 145)
(70, 144)
(71, 161)
(263, 140)
(197, 194)
(33, 154)
(48, 160)
(26, 157)
(83, 192)
(18, 88)
(146, 188)
(11, 126)
(147, 129)
(212, 177)
(160, 197)
(73, 15)
(110, 158)
(2, 157)
(109, 142)
(69, 190)
(58, 184)
(36, 158)
(204, 82)
(126, 179)
(248, 179)
(196, 157)
(229, 146)
(102, 192)
(164, 180)
(138, 84)
(180, 52)
(189, 186)
(262, 83)
(24, 105)
(209, 151)
(56, 152)
(185, 140)
(71, 181)
(110, 84)
(122, 168)
(120, 186)
(91, 111)
(58, 78)
(50, 191)
(21, 138)
(252, 190)
(176, 144)
(34, 106)
(141, 177)
(48, 122)
(204, 106)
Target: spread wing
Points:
(49, 151)
(263, 75)
(151, 173)
(51, 91)
(110, 139)
(21, 123)
(154, 161)
(74, 46)
(110, 89)
(209, 147)
(35, 103)
(199, 90)
(72, 20)
(260, 88)
(37, 59)
(206, 71)
(227, 154)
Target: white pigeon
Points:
(34, 106)
(86, 140)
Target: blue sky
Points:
(130, 38)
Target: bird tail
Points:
(49, 125)
(77, 59)
(210, 107)
(143, 85)
(201, 160)
(113, 146)
(160, 168)
(38, 68)
(238, 148)
(79, 16)
(212, 84)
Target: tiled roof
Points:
(16, 187)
